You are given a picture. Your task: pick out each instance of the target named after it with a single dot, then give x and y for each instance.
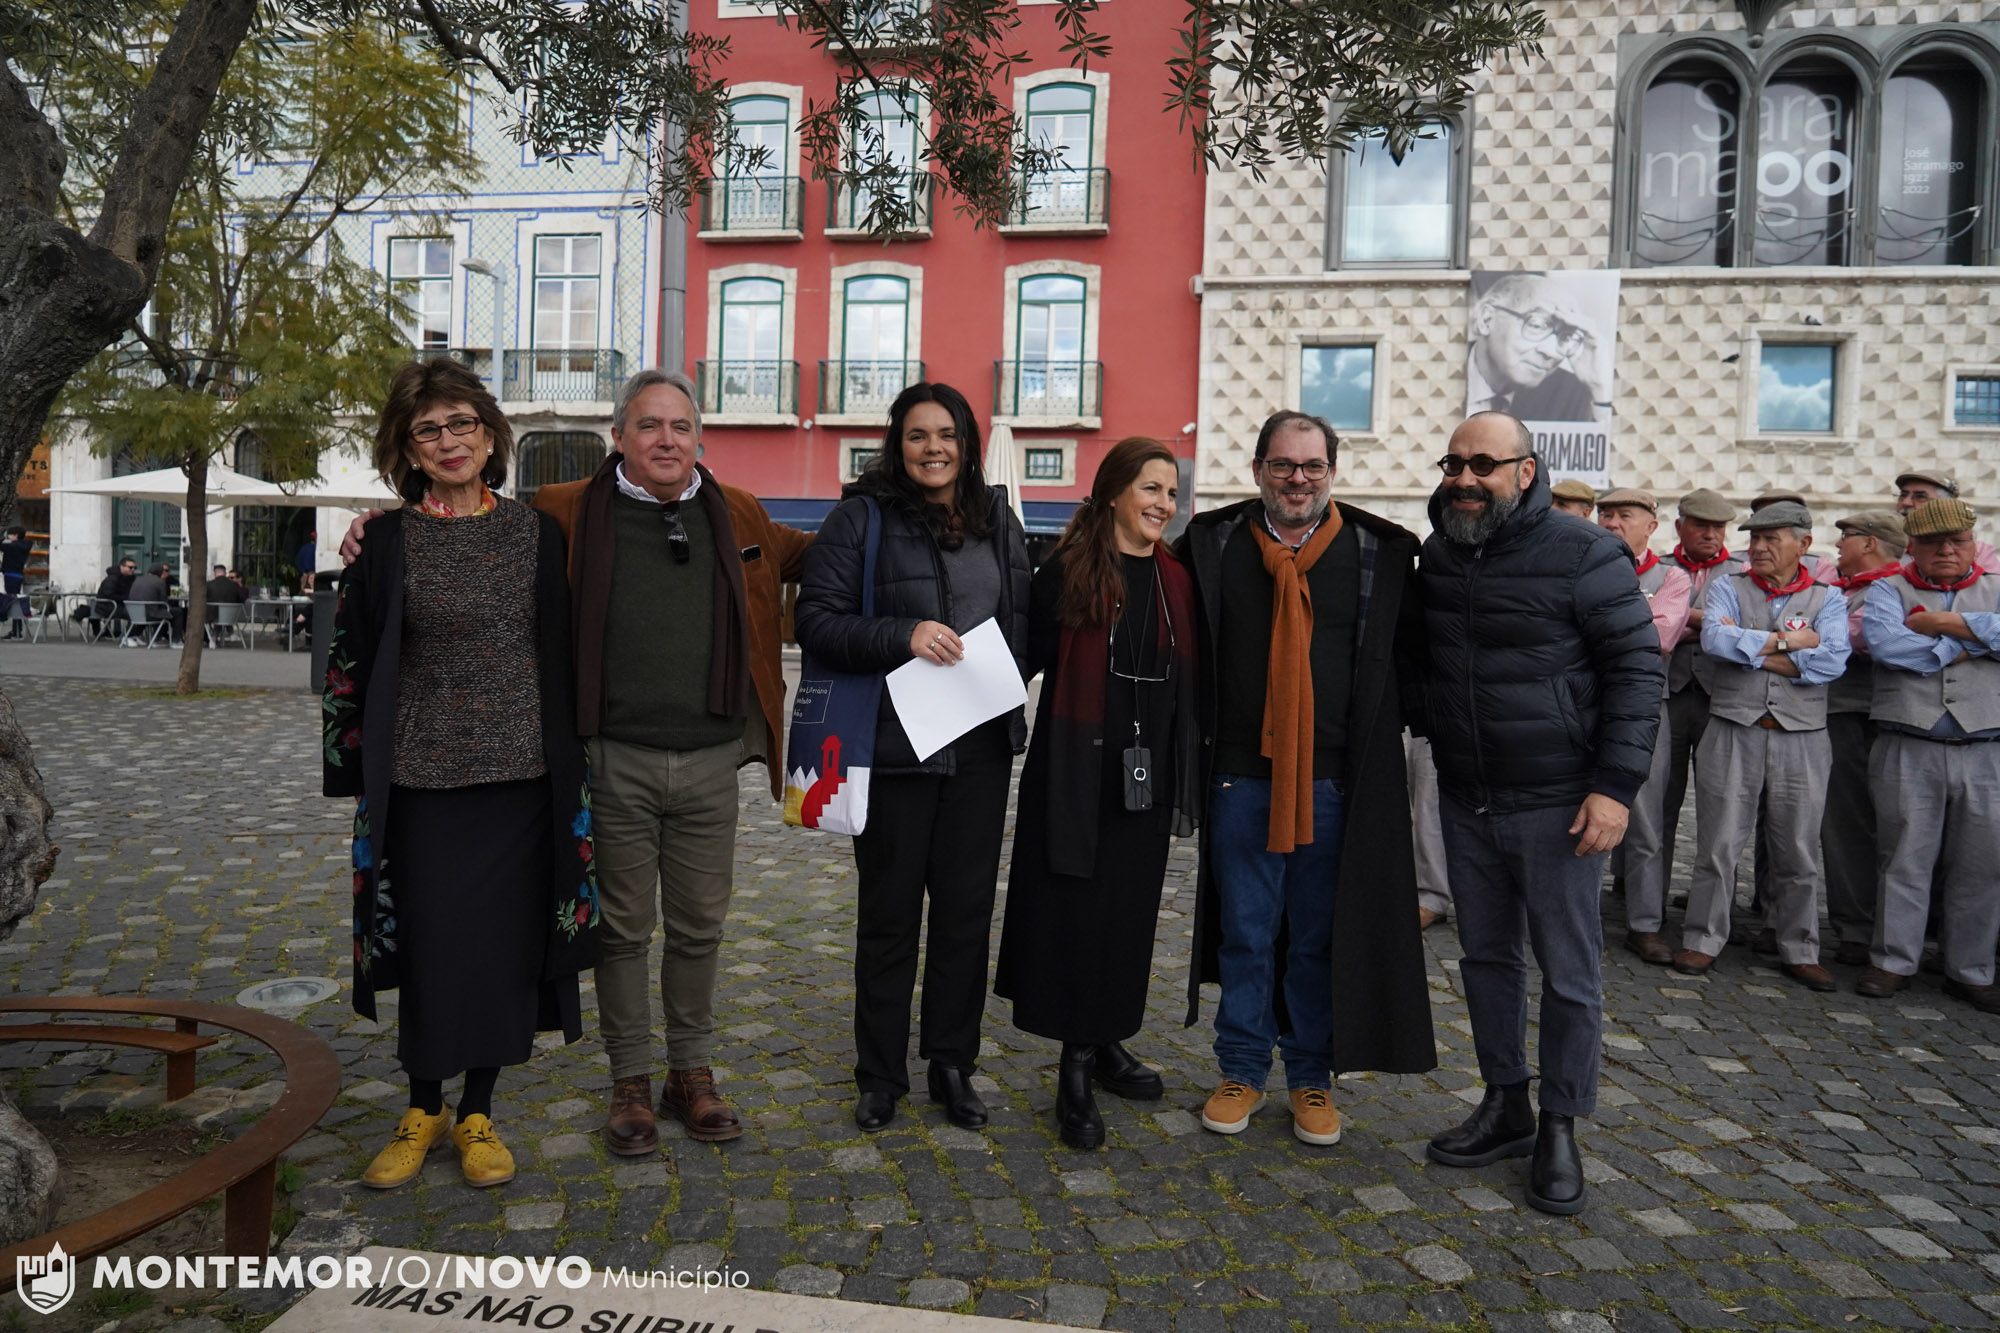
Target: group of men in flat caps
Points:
(1838, 712)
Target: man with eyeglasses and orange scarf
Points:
(1543, 710)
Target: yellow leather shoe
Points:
(1313, 1118)
(416, 1134)
(1229, 1107)
(483, 1158)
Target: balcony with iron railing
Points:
(863, 389)
(560, 375)
(748, 392)
(1074, 201)
(752, 208)
(1048, 392)
(848, 204)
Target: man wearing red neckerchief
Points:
(1702, 553)
(1870, 548)
(1921, 486)
(1641, 859)
(1933, 628)
(1777, 638)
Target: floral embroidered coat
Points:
(357, 757)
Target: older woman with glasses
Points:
(449, 714)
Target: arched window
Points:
(874, 342)
(1050, 357)
(1928, 196)
(753, 314)
(549, 456)
(1806, 173)
(758, 184)
(1059, 122)
(1686, 168)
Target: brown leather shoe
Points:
(1812, 976)
(691, 1098)
(1651, 946)
(1986, 999)
(1693, 962)
(629, 1130)
(1880, 984)
(1426, 918)
(1852, 953)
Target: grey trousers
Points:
(1847, 834)
(665, 819)
(1426, 829)
(1687, 720)
(1737, 766)
(1929, 796)
(1648, 852)
(1517, 882)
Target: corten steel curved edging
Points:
(245, 1168)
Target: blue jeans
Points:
(1261, 890)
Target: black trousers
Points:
(941, 836)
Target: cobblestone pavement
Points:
(1764, 1157)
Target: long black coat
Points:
(910, 586)
(1381, 1000)
(1545, 667)
(358, 758)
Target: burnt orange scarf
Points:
(1288, 698)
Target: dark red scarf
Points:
(1694, 566)
(1646, 563)
(1075, 721)
(1801, 580)
(1866, 577)
(1909, 572)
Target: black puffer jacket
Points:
(910, 586)
(1545, 667)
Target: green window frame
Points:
(1046, 305)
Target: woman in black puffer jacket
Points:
(953, 555)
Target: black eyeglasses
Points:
(677, 533)
(1283, 468)
(1482, 465)
(430, 430)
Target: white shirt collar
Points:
(626, 488)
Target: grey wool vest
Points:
(1650, 583)
(1969, 691)
(1744, 696)
(1689, 664)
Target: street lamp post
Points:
(485, 269)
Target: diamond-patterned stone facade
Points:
(1543, 145)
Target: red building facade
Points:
(1073, 324)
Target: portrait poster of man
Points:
(1543, 346)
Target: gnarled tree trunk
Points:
(27, 1166)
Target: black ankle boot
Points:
(1555, 1177)
(1076, 1112)
(1120, 1072)
(1502, 1126)
(952, 1088)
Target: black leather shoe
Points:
(1503, 1125)
(1076, 1113)
(953, 1089)
(874, 1110)
(1555, 1177)
(1122, 1074)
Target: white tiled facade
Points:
(1543, 141)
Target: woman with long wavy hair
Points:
(1113, 771)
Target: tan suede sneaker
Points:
(1229, 1109)
(1313, 1118)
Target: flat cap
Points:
(1778, 514)
(1629, 495)
(1884, 525)
(1707, 506)
(1573, 490)
(1938, 518)
(1936, 476)
(1769, 498)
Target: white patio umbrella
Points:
(1002, 464)
(169, 485)
(338, 493)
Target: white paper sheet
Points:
(938, 704)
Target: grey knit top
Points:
(468, 698)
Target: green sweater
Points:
(658, 633)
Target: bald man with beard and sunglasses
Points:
(1543, 708)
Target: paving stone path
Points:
(1763, 1157)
